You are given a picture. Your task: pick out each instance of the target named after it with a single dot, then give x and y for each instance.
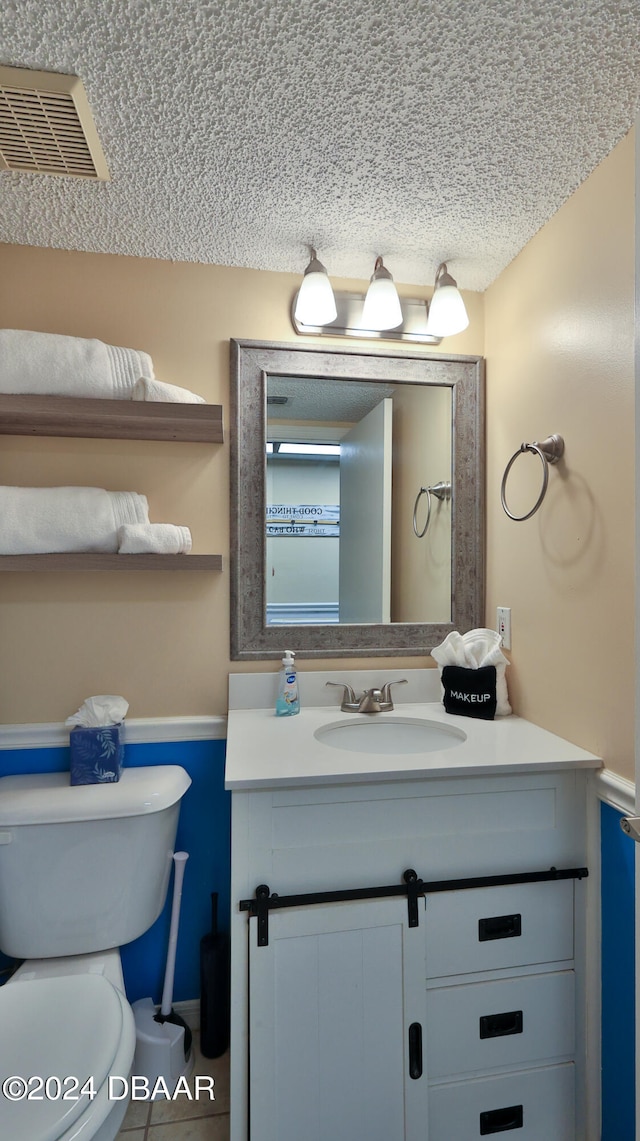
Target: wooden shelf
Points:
(97, 562)
(110, 419)
(115, 420)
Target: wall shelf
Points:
(89, 561)
(114, 420)
(110, 419)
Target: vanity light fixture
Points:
(381, 309)
(381, 314)
(315, 303)
(447, 313)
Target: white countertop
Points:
(265, 751)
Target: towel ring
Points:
(441, 491)
(550, 451)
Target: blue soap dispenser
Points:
(287, 701)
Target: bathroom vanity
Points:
(409, 951)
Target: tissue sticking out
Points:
(96, 740)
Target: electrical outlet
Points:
(503, 625)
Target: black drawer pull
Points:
(499, 1025)
(415, 1050)
(499, 927)
(500, 1120)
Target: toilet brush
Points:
(163, 1039)
(214, 988)
(166, 1012)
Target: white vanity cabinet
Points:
(501, 1053)
(333, 999)
(324, 1040)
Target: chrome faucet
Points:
(371, 701)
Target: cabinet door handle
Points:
(499, 927)
(499, 1025)
(415, 1050)
(500, 1120)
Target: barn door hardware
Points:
(412, 887)
(264, 901)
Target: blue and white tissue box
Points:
(97, 755)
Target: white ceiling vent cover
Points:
(46, 125)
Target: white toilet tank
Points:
(85, 868)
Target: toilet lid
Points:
(65, 1027)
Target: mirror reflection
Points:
(353, 535)
(325, 550)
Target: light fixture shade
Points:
(381, 309)
(447, 313)
(315, 303)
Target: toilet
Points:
(83, 870)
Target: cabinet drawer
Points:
(509, 1022)
(534, 1105)
(313, 838)
(498, 927)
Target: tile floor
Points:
(182, 1119)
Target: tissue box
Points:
(470, 693)
(96, 754)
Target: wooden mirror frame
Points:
(252, 362)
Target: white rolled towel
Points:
(46, 520)
(473, 650)
(146, 388)
(149, 538)
(49, 364)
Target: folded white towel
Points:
(43, 520)
(148, 389)
(473, 650)
(161, 538)
(49, 364)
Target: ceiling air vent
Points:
(46, 125)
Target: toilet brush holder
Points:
(160, 1047)
(163, 1039)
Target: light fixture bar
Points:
(348, 322)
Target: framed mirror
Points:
(357, 500)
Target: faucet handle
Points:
(349, 699)
(386, 689)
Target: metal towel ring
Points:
(550, 451)
(441, 491)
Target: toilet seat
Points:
(70, 1026)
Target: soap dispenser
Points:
(287, 701)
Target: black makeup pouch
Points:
(470, 693)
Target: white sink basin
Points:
(379, 733)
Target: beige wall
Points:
(559, 345)
(559, 348)
(161, 640)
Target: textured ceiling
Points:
(332, 400)
(237, 131)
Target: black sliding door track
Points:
(413, 888)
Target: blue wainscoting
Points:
(204, 832)
(618, 980)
